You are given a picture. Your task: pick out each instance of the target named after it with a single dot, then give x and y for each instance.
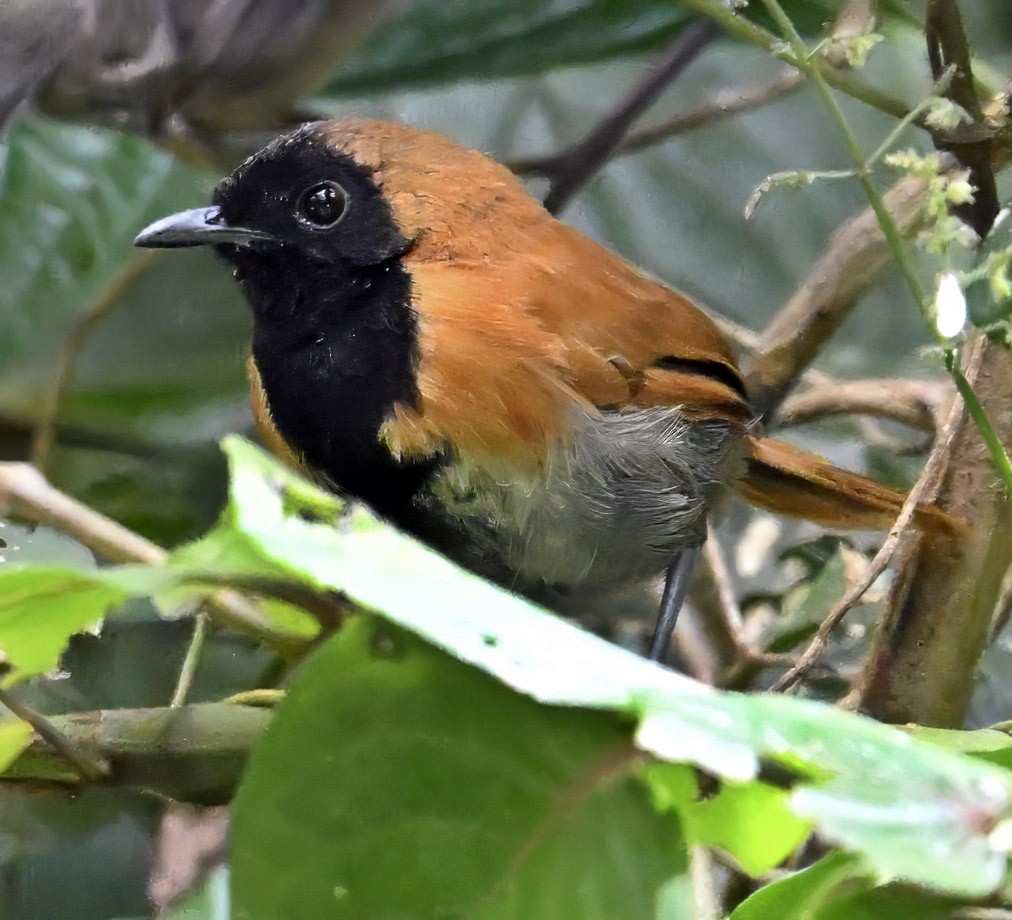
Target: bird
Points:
(429, 340)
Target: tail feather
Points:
(788, 481)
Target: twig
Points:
(574, 167)
(192, 659)
(876, 567)
(948, 50)
(917, 403)
(45, 429)
(726, 104)
(25, 493)
(90, 768)
(705, 896)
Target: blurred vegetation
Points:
(396, 781)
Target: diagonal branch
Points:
(575, 166)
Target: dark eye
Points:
(323, 205)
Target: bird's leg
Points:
(677, 580)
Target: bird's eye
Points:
(323, 205)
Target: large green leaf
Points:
(914, 811)
(397, 782)
(837, 887)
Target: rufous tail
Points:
(785, 480)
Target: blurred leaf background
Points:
(155, 376)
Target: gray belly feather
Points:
(615, 505)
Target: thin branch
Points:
(917, 496)
(192, 659)
(727, 103)
(45, 429)
(917, 403)
(705, 894)
(574, 167)
(25, 493)
(948, 50)
(88, 767)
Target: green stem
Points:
(999, 456)
(889, 229)
(192, 659)
(748, 31)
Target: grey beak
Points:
(199, 227)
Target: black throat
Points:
(336, 346)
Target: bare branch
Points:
(574, 167)
(921, 404)
(726, 104)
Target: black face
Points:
(335, 339)
(305, 195)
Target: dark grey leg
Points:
(676, 586)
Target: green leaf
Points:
(914, 811)
(41, 607)
(14, 738)
(437, 41)
(985, 743)
(799, 896)
(887, 903)
(732, 820)
(396, 782)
